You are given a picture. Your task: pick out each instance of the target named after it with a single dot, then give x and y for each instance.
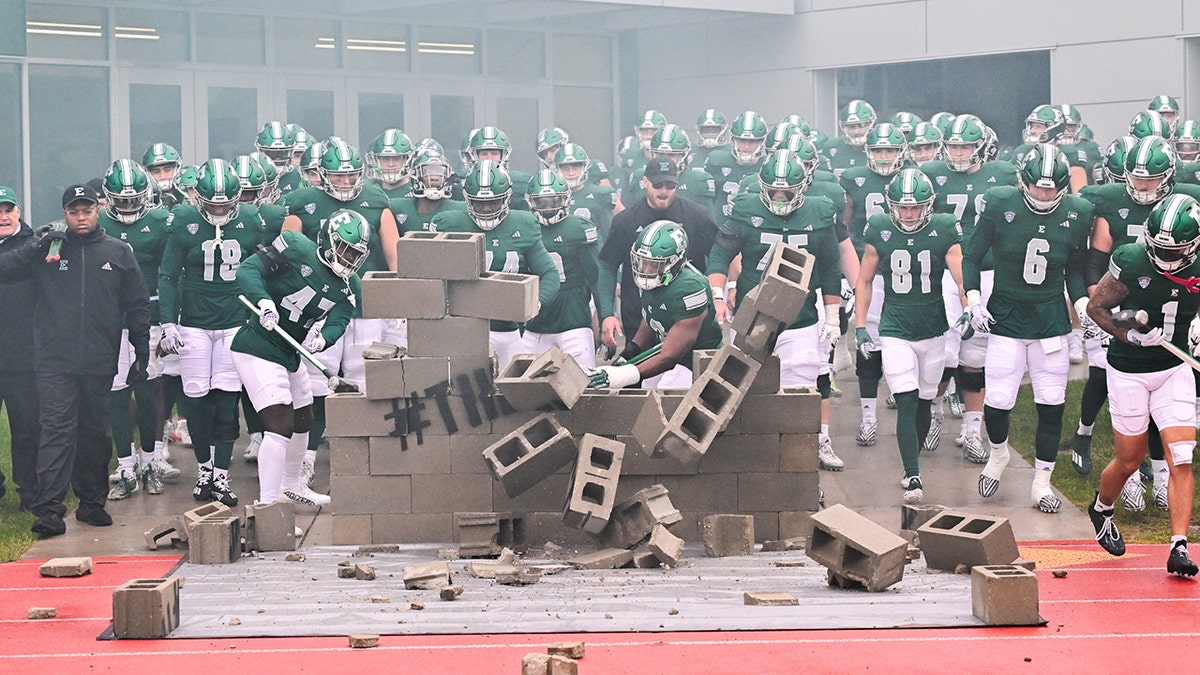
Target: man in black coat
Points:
(18, 388)
(87, 288)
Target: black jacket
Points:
(82, 303)
(16, 312)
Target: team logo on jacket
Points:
(1144, 282)
(1009, 216)
(941, 180)
(310, 209)
(193, 228)
(306, 271)
(1124, 213)
(860, 181)
(756, 221)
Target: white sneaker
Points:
(934, 436)
(251, 454)
(1133, 495)
(826, 457)
(1041, 494)
(164, 468)
(307, 474)
(126, 486)
(304, 495)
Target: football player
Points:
(672, 143)
(597, 203)
(277, 141)
(387, 159)
(162, 162)
(430, 179)
(492, 143)
(744, 156)
(845, 151)
(712, 132)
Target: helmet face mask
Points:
(856, 121)
(712, 129)
(886, 149)
(1044, 125)
(1072, 124)
(1173, 233)
(490, 144)
(658, 254)
(1149, 170)
(572, 162)
(925, 145)
(749, 133)
(964, 144)
(1187, 141)
(344, 243)
(910, 197)
(488, 190)
(341, 170)
(388, 156)
(126, 191)
(1044, 178)
(430, 176)
(547, 197)
(652, 121)
(278, 142)
(1168, 108)
(218, 192)
(549, 142)
(162, 162)
(672, 144)
(782, 181)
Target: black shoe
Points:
(1107, 534)
(202, 491)
(98, 517)
(48, 525)
(1180, 563)
(219, 491)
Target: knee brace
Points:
(823, 386)
(1181, 452)
(970, 380)
(869, 367)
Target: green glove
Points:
(865, 344)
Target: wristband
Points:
(718, 293)
(974, 298)
(831, 314)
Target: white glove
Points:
(829, 331)
(981, 318)
(1151, 337)
(1194, 336)
(314, 341)
(268, 315)
(170, 342)
(613, 377)
(847, 297)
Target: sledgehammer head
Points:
(1131, 318)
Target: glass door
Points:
(521, 112)
(377, 104)
(318, 106)
(158, 106)
(448, 111)
(230, 109)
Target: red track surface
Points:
(1108, 615)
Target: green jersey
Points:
(305, 290)
(727, 173)
(753, 231)
(597, 172)
(520, 181)
(694, 184)
(198, 277)
(1187, 173)
(574, 246)
(292, 180)
(843, 156)
(912, 267)
(272, 215)
(398, 192)
(410, 219)
(1126, 218)
(595, 203)
(148, 238)
(1168, 303)
(961, 193)
(514, 246)
(830, 190)
(313, 206)
(687, 296)
(1030, 251)
(865, 189)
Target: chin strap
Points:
(1192, 284)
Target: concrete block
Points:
(215, 540)
(634, 519)
(766, 525)
(391, 457)
(450, 593)
(351, 529)
(441, 255)
(372, 549)
(755, 332)
(355, 415)
(594, 484)
(766, 382)
(448, 336)
(785, 283)
(466, 453)
(728, 534)
(478, 535)
(604, 559)
(665, 546)
(427, 576)
(549, 494)
(778, 492)
(955, 538)
(145, 609)
(191, 517)
(854, 548)
(793, 410)
(381, 350)
(387, 295)
(770, 599)
(548, 664)
(499, 296)
(517, 576)
(795, 524)
(172, 527)
(364, 572)
(710, 404)
(740, 453)
(533, 451)
(1004, 595)
(39, 613)
(651, 424)
(66, 567)
(444, 493)
(913, 516)
(354, 495)
(639, 462)
(703, 493)
(548, 381)
(271, 527)
(797, 452)
(607, 412)
(349, 456)
(571, 650)
(363, 641)
(404, 375)
(412, 528)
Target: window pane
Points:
(66, 32)
(444, 49)
(377, 112)
(232, 121)
(11, 172)
(451, 119)
(155, 116)
(308, 43)
(585, 112)
(224, 38)
(384, 47)
(312, 110)
(516, 54)
(65, 103)
(150, 35)
(518, 117)
(12, 27)
(582, 58)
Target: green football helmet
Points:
(465, 157)
(819, 138)
(779, 135)
(1150, 170)
(341, 170)
(782, 181)
(625, 152)
(185, 182)
(801, 124)
(943, 121)
(310, 164)
(488, 189)
(1167, 107)
(1044, 167)
(1044, 125)
(651, 121)
(749, 134)
(388, 155)
(658, 254)
(672, 143)
(491, 143)
(805, 151)
(549, 141)
(127, 191)
(344, 242)
(162, 159)
(270, 193)
(1148, 123)
(430, 174)
(572, 162)
(277, 141)
(1114, 158)
(905, 122)
(1072, 122)
(712, 129)
(886, 149)
(925, 144)
(1086, 133)
(910, 188)
(302, 139)
(1173, 233)
(965, 143)
(1187, 141)
(855, 121)
(547, 197)
(218, 192)
(252, 177)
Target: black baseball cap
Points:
(658, 169)
(80, 193)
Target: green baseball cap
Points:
(8, 196)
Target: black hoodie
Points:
(16, 309)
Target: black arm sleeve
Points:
(1095, 265)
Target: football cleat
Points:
(913, 492)
(955, 403)
(164, 469)
(1159, 494)
(934, 436)
(219, 491)
(973, 449)
(1133, 495)
(305, 496)
(126, 486)
(1048, 503)
(989, 478)
(826, 457)
(1146, 471)
(890, 402)
(181, 432)
(307, 474)
(251, 454)
(202, 492)
(866, 433)
(114, 476)
(151, 481)
(1180, 563)
(1081, 454)
(1107, 534)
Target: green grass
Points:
(1150, 526)
(15, 537)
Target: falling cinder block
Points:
(855, 549)
(728, 534)
(667, 547)
(36, 613)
